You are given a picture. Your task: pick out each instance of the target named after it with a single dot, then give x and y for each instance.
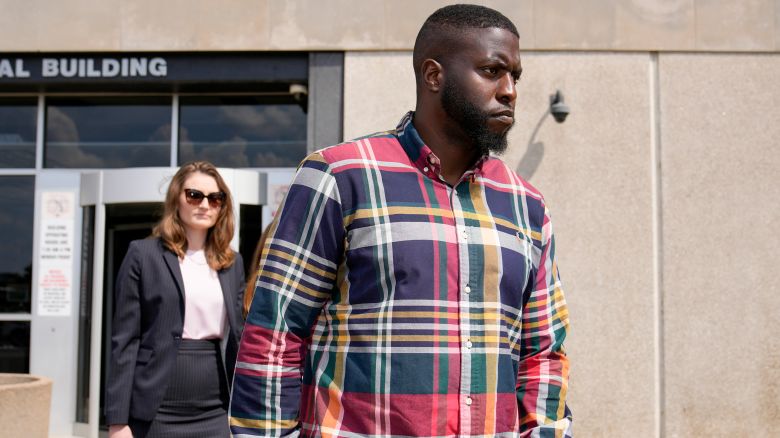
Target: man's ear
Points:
(432, 75)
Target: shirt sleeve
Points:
(297, 274)
(543, 374)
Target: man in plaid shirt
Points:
(409, 286)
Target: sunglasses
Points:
(195, 197)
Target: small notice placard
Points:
(55, 254)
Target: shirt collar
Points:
(421, 155)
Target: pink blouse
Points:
(204, 305)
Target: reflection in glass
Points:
(17, 132)
(16, 233)
(108, 132)
(85, 314)
(249, 231)
(248, 131)
(14, 347)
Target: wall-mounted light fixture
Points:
(558, 109)
(300, 93)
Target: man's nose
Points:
(507, 89)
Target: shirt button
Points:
(469, 401)
(425, 169)
(467, 289)
(468, 344)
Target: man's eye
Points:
(490, 70)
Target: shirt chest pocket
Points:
(517, 263)
(519, 243)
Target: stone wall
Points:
(171, 25)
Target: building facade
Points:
(662, 181)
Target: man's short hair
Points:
(450, 22)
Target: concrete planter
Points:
(25, 401)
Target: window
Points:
(108, 132)
(16, 233)
(251, 131)
(17, 132)
(14, 346)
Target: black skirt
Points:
(196, 400)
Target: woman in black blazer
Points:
(177, 317)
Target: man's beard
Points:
(473, 121)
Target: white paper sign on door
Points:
(55, 254)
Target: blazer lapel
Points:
(173, 265)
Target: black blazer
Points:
(147, 326)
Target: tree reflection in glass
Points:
(246, 131)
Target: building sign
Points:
(55, 254)
(86, 68)
(167, 68)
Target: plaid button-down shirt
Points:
(390, 304)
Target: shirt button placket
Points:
(461, 237)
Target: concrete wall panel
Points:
(522, 14)
(777, 25)
(78, 25)
(743, 25)
(239, 24)
(345, 24)
(573, 24)
(183, 25)
(595, 172)
(655, 25)
(379, 89)
(721, 217)
(404, 18)
(113, 25)
(173, 25)
(15, 29)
